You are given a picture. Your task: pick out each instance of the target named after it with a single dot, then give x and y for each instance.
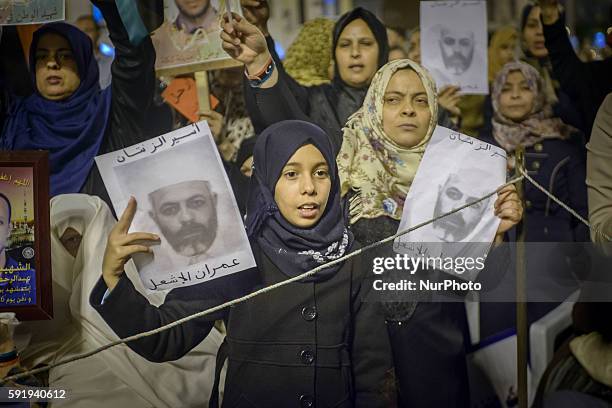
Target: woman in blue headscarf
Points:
(313, 342)
(68, 114)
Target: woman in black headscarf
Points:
(360, 47)
(314, 342)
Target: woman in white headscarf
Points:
(117, 377)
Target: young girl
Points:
(383, 146)
(310, 343)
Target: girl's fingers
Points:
(128, 251)
(123, 225)
(138, 236)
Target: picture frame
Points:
(25, 249)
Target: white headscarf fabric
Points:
(117, 377)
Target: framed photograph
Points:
(25, 250)
(189, 39)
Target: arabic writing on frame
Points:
(184, 196)
(17, 272)
(178, 44)
(16, 12)
(454, 43)
(456, 169)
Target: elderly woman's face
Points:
(406, 113)
(516, 99)
(357, 54)
(57, 74)
(533, 34)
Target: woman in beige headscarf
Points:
(383, 145)
(116, 377)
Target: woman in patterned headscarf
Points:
(554, 158)
(524, 117)
(384, 143)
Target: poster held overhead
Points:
(189, 39)
(454, 44)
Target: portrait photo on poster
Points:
(191, 31)
(17, 231)
(184, 196)
(454, 43)
(470, 170)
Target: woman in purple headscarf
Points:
(68, 114)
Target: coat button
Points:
(538, 147)
(309, 313)
(307, 356)
(535, 165)
(306, 401)
(528, 204)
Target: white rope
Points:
(562, 204)
(250, 295)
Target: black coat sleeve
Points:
(586, 84)
(128, 312)
(134, 117)
(133, 84)
(371, 349)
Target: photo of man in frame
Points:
(17, 275)
(190, 33)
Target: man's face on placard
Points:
(457, 47)
(451, 195)
(186, 214)
(5, 223)
(192, 8)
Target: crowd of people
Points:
(321, 149)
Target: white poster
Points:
(15, 12)
(184, 196)
(454, 44)
(191, 32)
(455, 170)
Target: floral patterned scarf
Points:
(377, 169)
(539, 125)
